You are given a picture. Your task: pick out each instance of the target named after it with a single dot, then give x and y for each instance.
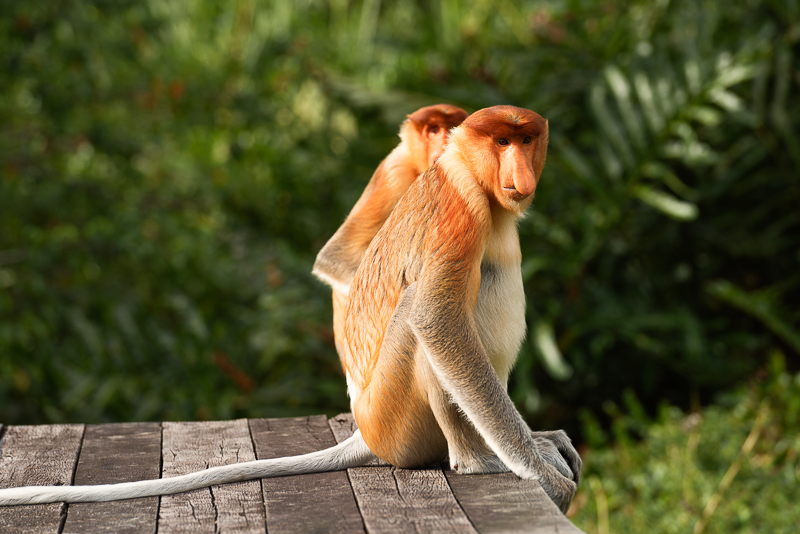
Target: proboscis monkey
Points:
(437, 312)
(423, 137)
(433, 325)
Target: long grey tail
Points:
(350, 453)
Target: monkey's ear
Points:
(540, 153)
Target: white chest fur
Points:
(500, 315)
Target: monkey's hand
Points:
(557, 450)
(558, 487)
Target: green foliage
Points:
(671, 180)
(169, 171)
(151, 266)
(732, 468)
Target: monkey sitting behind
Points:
(423, 137)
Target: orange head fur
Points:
(507, 148)
(431, 125)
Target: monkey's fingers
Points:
(562, 442)
(574, 460)
(550, 454)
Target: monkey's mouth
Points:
(514, 195)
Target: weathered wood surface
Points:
(320, 502)
(403, 500)
(373, 499)
(504, 503)
(37, 455)
(190, 447)
(117, 453)
(499, 503)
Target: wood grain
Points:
(189, 447)
(117, 453)
(37, 456)
(319, 502)
(504, 503)
(395, 500)
(500, 503)
(390, 500)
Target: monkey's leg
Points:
(392, 411)
(467, 450)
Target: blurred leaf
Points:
(736, 456)
(552, 358)
(667, 204)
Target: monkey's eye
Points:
(502, 141)
(527, 140)
(434, 129)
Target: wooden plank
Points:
(117, 453)
(190, 447)
(403, 500)
(500, 503)
(319, 502)
(37, 456)
(503, 503)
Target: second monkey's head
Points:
(425, 132)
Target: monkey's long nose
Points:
(525, 183)
(518, 181)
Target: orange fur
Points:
(435, 223)
(393, 410)
(423, 138)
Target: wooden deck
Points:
(365, 499)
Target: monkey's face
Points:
(515, 181)
(506, 154)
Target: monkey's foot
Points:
(477, 464)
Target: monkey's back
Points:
(391, 263)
